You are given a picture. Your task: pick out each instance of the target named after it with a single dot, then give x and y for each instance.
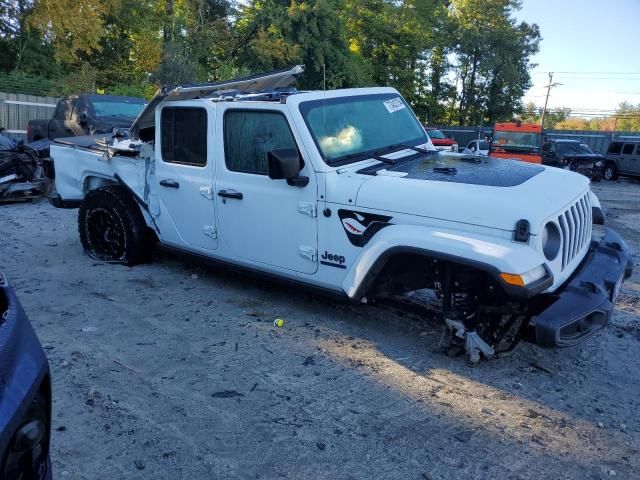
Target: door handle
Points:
(169, 183)
(230, 194)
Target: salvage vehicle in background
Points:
(342, 191)
(440, 140)
(623, 158)
(477, 147)
(86, 114)
(22, 172)
(573, 155)
(517, 140)
(25, 396)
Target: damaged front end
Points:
(22, 175)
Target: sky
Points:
(597, 41)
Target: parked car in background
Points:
(22, 171)
(477, 147)
(623, 158)
(573, 155)
(517, 140)
(440, 140)
(25, 395)
(86, 114)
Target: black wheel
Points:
(610, 172)
(112, 228)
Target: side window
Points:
(628, 149)
(638, 149)
(62, 109)
(184, 135)
(250, 135)
(78, 108)
(614, 148)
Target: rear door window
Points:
(615, 148)
(62, 110)
(184, 135)
(628, 149)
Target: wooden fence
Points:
(17, 109)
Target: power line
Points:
(590, 73)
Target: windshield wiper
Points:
(382, 159)
(421, 150)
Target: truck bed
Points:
(80, 161)
(90, 142)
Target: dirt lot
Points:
(175, 371)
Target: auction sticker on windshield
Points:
(394, 104)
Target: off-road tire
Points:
(610, 172)
(112, 228)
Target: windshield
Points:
(347, 128)
(123, 109)
(573, 148)
(437, 134)
(517, 140)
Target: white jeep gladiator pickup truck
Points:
(341, 190)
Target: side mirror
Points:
(285, 164)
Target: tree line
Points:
(462, 62)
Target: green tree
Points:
(275, 34)
(493, 53)
(628, 117)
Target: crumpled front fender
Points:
(489, 254)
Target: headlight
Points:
(551, 241)
(454, 147)
(526, 278)
(599, 163)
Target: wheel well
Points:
(408, 271)
(94, 182)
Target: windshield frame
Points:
(305, 106)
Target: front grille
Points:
(575, 223)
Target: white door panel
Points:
(183, 183)
(262, 220)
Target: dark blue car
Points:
(25, 395)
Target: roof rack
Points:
(275, 95)
(263, 83)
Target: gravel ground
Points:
(174, 370)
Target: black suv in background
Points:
(623, 158)
(573, 155)
(86, 114)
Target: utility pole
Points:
(549, 87)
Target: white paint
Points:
(275, 228)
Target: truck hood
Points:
(487, 192)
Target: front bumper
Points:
(584, 304)
(25, 395)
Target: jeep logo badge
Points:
(333, 260)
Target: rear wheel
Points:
(610, 172)
(112, 228)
